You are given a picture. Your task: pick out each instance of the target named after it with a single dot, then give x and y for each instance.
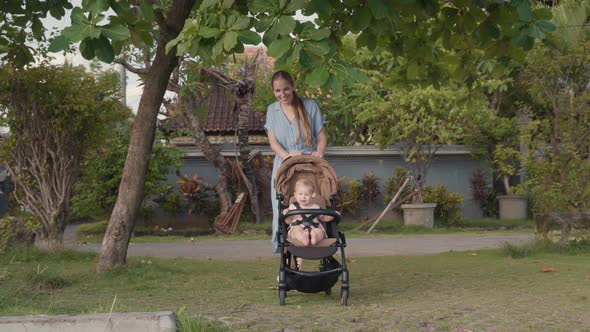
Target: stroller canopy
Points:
(307, 167)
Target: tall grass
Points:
(574, 247)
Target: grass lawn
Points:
(384, 229)
(478, 290)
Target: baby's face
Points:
(303, 195)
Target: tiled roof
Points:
(222, 115)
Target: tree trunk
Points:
(245, 91)
(188, 107)
(118, 233)
(55, 238)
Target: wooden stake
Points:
(389, 205)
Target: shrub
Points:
(483, 193)
(448, 205)
(393, 184)
(93, 228)
(17, 230)
(370, 188)
(349, 196)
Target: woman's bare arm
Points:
(322, 141)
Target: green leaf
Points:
(77, 16)
(318, 48)
(412, 71)
(366, 38)
(335, 84)
(263, 24)
(322, 7)
(379, 8)
(147, 11)
(115, 32)
(524, 11)
(208, 32)
(241, 23)
(318, 34)
(546, 26)
(293, 55)
(258, 6)
(318, 77)
(249, 37)
(294, 5)
(535, 32)
(120, 8)
(104, 50)
(97, 6)
(227, 3)
(76, 33)
(279, 47)
(518, 39)
(309, 60)
(543, 14)
(361, 20)
(87, 49)
(528, 43)
(37, 27)
(285, 25)
(217, 48)
(59, 43)
(207, 3)
(230, 40)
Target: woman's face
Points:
(283, 91)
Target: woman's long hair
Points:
(301, 114)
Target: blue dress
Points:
(286, 134)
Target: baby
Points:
(307, 232)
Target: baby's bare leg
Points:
(317, 234)
(301, 234)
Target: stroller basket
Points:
(312, 282)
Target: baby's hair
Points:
(305, 182)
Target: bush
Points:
(483, 193)
(393, 184)
(349, 196)
(448, 205)
(574, 247)
(370, 188)
(17, 230)
(93, 228)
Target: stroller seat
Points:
(323, 176)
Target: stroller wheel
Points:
(328, 291)
(344, 297)
(282, 296)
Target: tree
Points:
(95, 192)
(218, 28)
(420, 121)
(557, 79)
(54, 115)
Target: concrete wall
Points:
(453, 167)
(164, 321)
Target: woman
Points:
(294, 126)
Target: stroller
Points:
(321, 173)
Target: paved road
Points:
(252, 249)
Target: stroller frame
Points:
(330, 269)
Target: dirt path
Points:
(252, 249)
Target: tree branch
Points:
(128, 66)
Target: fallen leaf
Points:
(547, 269)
